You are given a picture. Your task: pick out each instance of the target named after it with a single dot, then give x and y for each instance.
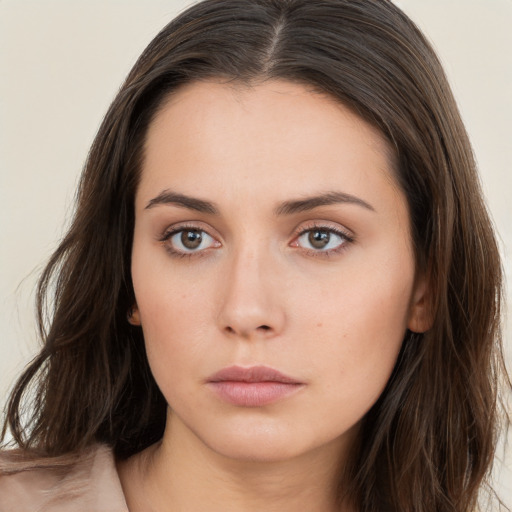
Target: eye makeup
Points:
(316, 239)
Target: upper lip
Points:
(251, 374)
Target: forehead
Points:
(276, 102)
(270, 137)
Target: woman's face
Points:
(272, 266)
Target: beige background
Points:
(61, 62)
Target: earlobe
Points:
(133, 315)
(420, 311)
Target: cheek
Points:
(173, 311)
(359, 322)
(359, 300)
(165, 296)
(174, 336)
(172, 319)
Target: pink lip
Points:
(252, 387)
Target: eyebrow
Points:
(192, 203)
(285, 208)
(309, 203)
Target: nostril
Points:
(232, 330)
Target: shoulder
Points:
(71, 483)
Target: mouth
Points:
(254, 386)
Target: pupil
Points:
(191, 239)
(319, 239)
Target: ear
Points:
(421, 315)
(133, 315)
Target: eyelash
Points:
(167, 235)
(345, 236)
(346, 239)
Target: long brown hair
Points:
(429, 441)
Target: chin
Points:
(269, 442)
(264, 449)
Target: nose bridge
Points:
(251, 302)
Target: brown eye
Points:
(319, 239)
(322, 239)
(191, 239)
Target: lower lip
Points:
(253, 394)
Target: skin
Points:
(258, 292)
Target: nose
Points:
(251, 304)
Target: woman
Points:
(281, 288)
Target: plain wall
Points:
(61, 63)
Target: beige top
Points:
(90, 485)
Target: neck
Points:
(180, 473)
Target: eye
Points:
(322, 239)
(188, 240)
